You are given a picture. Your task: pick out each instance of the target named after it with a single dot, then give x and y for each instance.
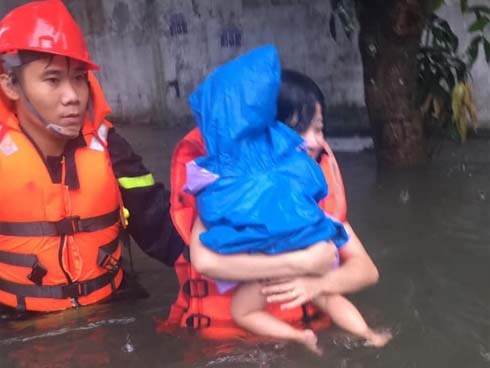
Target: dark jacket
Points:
(150, 223)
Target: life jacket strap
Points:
(309, 314)
(197, 321)
(73, 290)
(196, 288)
(186, 253)
(105, 258)
(25, 260)
(66, 226)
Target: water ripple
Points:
(65, 330)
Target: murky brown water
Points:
(428, 231)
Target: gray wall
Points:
(144, 66)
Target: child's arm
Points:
(357, 271)
(244, 267)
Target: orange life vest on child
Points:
(199, 305)
(59, 239)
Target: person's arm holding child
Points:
(243, 267)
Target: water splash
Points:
(65, 330)
(264, 356)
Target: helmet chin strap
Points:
(61, 131)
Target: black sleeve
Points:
(150, 224)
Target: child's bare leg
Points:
(247, 310)
(345, 315)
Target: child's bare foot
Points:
(310, 341)
(378, 339)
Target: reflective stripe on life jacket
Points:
(199, 305)
(59, 237)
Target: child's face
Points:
(313, 136)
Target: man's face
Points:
(57, 88)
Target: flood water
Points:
(428, 231)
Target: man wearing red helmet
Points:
(66, 173)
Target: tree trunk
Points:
(388, 41)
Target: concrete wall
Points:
(157, 71)
(148, 72)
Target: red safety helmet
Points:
(44, 26)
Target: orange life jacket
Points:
(199, 305)
(59, 242)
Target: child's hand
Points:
(292, 292)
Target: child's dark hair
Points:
(298, 96)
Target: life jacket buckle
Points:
(73, 290)
(37, 274)
(68, 226)
(110, 264)
(198, 321)
(196, 288)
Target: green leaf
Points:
(480, 9)
(464, 5)
(450, 36)
(479, 24)
(441, 38)
(460, 68)
(473, 49)
(486, 46)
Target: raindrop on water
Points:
(485, 355)
(372, 49)
(404, 196)
(128, 347)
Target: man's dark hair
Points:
(13, 63)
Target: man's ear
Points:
(8, 87)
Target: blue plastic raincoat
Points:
(261, 189)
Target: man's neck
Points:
(47, 144)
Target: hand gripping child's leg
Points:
(247, 310)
